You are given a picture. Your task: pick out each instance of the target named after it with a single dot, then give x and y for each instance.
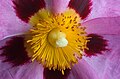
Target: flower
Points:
(56, 29)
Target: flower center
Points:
(56, 41)
(57, 38)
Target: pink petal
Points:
(105, 8)
(108, 25)
(96, 45)
(107, 65)
(56, 6)
(26, 8)
(3, 66)
(98, 63)
(28, 71)
(82, 7)
(82, 70)
(31, 70)
(112, 70)
(14, 51)
(5, 75)
(9, 23)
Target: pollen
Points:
(56, 41)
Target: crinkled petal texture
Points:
(103, 25)
(82, 70)
(112, 70)
(98, 63)
(105, 8)
(28, 71)
(9, 23)
(57, 6)
(5, 75)
(107, 66)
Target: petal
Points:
(28, 71)
(96, 45)
(56, 74)
(82, 7)
(9, 23)
(98, 63)
(56, 6)
(3, 65)
(5, 75)
(82, 70)
(112, 70)
(107, 65)
(105, 8)
(26, 8)
(14, 51)
(108, 25)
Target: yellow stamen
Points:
(56, 41)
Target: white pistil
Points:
(57, 38)
(62, 42)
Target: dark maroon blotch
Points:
(14, 51)
(51, 74)
(97, 44)
(26, 8)
(82, 7)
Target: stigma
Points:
(57, 38)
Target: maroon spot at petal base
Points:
(26, 8)
(82, 7)
(96, 45)
(14, 51)
(51, 74)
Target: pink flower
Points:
(102, 27)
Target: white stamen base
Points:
(62, 42)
